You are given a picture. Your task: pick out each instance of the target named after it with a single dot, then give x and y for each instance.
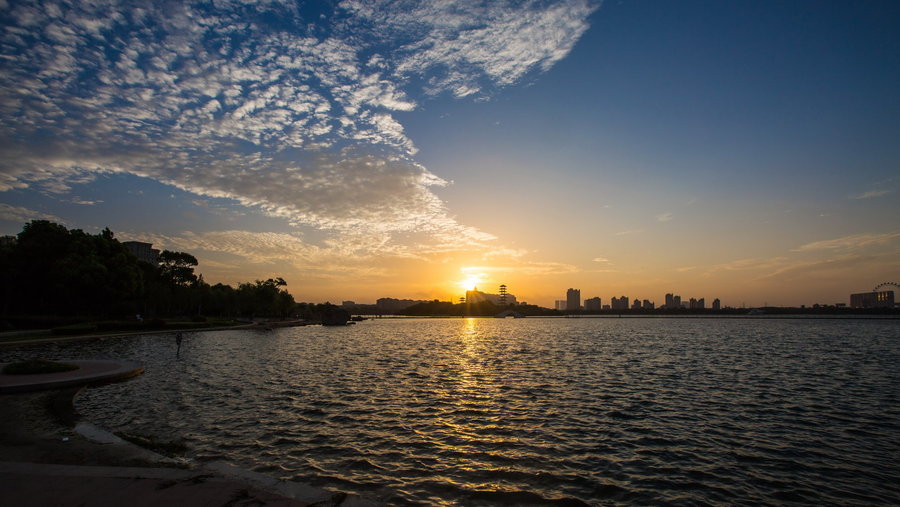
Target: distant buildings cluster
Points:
(389, 305)
(876, 299)
(673, 301)
(501, 299)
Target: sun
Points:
(470, 283)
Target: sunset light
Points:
(435, 252)
(359, 150)
(472, 281)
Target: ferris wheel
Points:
(886, 285)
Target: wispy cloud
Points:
(84, 202)
(664, 217)
(850, 242)
(20, 214)
(871, 194)
(846, 264)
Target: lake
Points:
(529, 411)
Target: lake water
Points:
(530, 411)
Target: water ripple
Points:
(533, 411)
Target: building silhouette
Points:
(620, 303)
(593, 304)
(395, 305)
(476, 296)
(143, 251)
(881, 299)
(573, 299)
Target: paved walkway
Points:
(92, 371)
(215, 484)
(66, 485)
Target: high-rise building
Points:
(573, 299)
(636, 305)
(676, 301)
(716, 304)
(670, 300)
(592, 304)
(560, 304)
(648, 305)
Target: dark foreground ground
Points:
(45, 459)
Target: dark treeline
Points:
(51, 271)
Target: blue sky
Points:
(741, 150)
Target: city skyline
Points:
(366, 149)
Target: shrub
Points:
(80, 328)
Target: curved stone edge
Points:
(127, 370)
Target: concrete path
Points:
(67, 485)
(89, 372)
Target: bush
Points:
(121, 325)
(80, 328)
(36, 366)
(188, 325)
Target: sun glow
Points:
(470, 283)
(472, 280)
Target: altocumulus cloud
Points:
(279, 108)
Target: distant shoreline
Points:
(50, 338)
(659, 316)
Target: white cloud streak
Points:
(854, 241)
(871, 194)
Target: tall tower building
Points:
(573, 299)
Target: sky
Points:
(746, 151)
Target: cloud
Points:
(664, 217)
(743, 264)
(530, 268)
(256, 103)
(871, 194)
(465, 45)
(23, 215)
(602, 260)
(84, 202)
(628, 232)
(854, 241)
(848, 264)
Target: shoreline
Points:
(83, 337)
(43, 440)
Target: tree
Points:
(177, 268)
